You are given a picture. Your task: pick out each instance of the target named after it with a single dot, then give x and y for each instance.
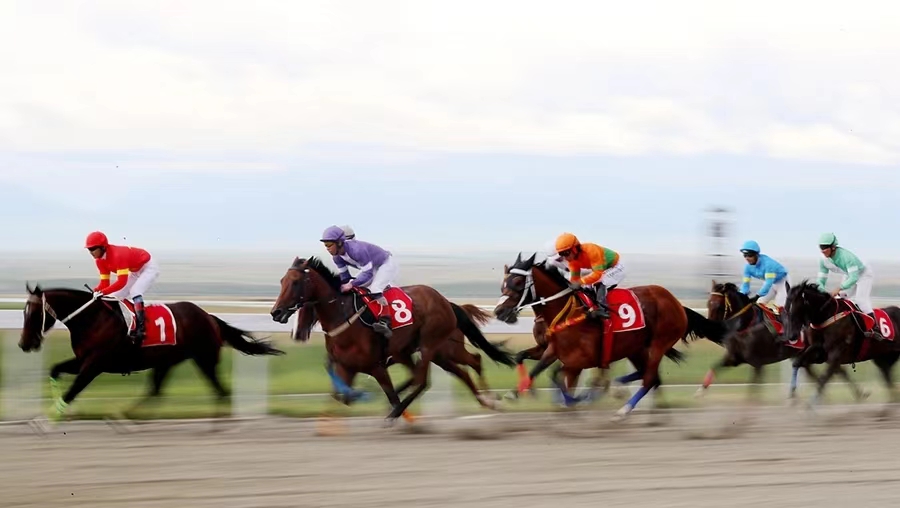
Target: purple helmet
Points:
(333, 234)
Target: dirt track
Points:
(845, 457)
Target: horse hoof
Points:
(621, 414)
(864, 394)
(39, 425)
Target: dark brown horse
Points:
(355, 346)
(837, 334)
(99, 336)
(576, 341)
(453, 351)
(756, 340)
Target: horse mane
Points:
(726, 287)
(552, 272)
(316, 264)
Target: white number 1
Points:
(626, 312)
(161, 323)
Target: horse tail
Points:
(675, 355)
(243, 341)
(699, 326)
(466, 324)
(480, 316)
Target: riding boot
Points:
(140, 330)
(874, 333)
(383, 325)
(602, 309)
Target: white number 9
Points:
(628, 315)
(885, 329)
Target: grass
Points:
(294, 379)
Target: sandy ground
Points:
(844, 456)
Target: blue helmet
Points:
(750, 246)
(333, 234)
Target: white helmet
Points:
(349, 234)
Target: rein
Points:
(47, 309)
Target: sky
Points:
(449, 126)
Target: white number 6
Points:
(885, 329)
(626, 312)
(161, 323)
(401, 312)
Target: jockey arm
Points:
(364, 276)
(343, 268)
(121, 280)
(745, 286)
(770, 269)
(823, 275)
(104, 275)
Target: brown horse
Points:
(355, 346)
(453, 351)
(575, 340)
(99, 336)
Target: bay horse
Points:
(356, 347)
(453, 350)
(99, 336)
(837, 327)
(756, 339)
(575, 340)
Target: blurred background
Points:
(224, 137)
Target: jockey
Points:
(774, 275)
(606, 270)
(135, 272)
(378, 270)
(858, 278)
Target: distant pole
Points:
(718, 242)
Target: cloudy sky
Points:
(449, 125)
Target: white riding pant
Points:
(384, 276)
(139, 282)
(614, 275)
(861, 292)
(777, 293)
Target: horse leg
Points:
(885, 366)
(208, 365)
(70, 366)
(88, 372)
(860, 394)
(453, 368)
(834, 365)
(157, 379)
(421, 382)
(755, 381)
(384, 380)
(650, 379)
(547, 359)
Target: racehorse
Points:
(453, 350)
(647, 322)
(756, 339)
(98, 328)
(430, 320)
(837, 327)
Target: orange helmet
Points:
(566, 241)
(96, 239)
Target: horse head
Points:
(804, 303)
(517, 289)
(304, 283)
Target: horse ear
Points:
(505, 269)
(714, 284)
(28, 288)
(518, 259)
(531, 259)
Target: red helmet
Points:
(96, 239)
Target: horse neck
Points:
(739, 308)
(545, 287)
(329, 304)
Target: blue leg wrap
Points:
(630, 378)
(794, 378)
(342, 388)
(637, 397)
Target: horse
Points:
(838, 327)
(98, 329)
(647, 322)
(755, 338)
(428, 320)
(454, 350)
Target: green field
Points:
(294, 379)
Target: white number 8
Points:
(628, 315)
(401, 312)
(885, 329)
